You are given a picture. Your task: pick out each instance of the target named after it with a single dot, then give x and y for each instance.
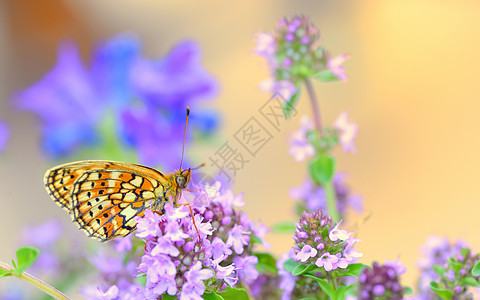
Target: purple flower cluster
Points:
(293, 55)
(312, 196)
(436, 251)
(145, 99)
(177, 263)
(456, 260)
(318, 242)
(381, 282)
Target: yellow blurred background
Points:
(413, 89)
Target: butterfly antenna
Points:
(184, 137)
(198, 167)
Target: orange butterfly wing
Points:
(103, 197)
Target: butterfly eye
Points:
(181, 181)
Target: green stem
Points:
(334, 282)
(315, 107)
(42, 285)
(331, 201)
(329, 190)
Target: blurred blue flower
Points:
(66, 102)
(4, 134)
(146, 98)
(155, 127)
(176, 81)
(112, 65)
(157, 140)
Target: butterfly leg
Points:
(193, 219)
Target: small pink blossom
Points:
(352, 254)
(165, 283)
(338, 234)
(203, 228)
(165, 246)
(300, 147)
(246, 267)
(220, 248)
(196, 273)
(174, 232)
(175, 213)
(335, 64)
(397, 265)
(265, 45)
(306, 252)
(147, 227)
(237, 238)
(327, 261)
(285, 89)
(348, 132)
(110, 294)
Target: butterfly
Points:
(103, 197)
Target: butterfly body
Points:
(103, 197)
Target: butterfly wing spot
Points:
(148, 195)
(137, 181)
(127, 185)
(130, 197)
(114, 220)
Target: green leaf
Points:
(211, 296)
(234, 294)
(168, 297)
(266, 263)
(456, 265)
(302, 268)
(342, 291)
(4, 273)
(439, 269)
(315, 270)
(471, 281)
(443, 293)
(326, 76)
(26, 256)
(142, 280)
(407, 290)
(476, 269)
(322, 169)
(286, 227)
(255, 239)
(353, 270)
(290, 264)
(289, 106)
(324, 285)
